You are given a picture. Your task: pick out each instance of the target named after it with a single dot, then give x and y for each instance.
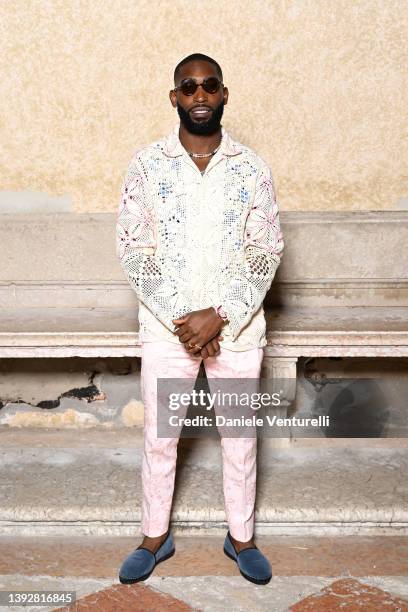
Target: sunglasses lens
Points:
(211, 85)
(188, 87)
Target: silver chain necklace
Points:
(200, 155)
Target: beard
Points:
(202, 128)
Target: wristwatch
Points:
(221, 312)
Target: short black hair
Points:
(197, 57)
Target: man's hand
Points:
(199, 327)
(211, 348)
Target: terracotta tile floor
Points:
(125, 598)
(97, 556)
(100, 557)
(350, 595)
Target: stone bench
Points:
(340, 291)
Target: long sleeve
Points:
(135, 246)
(263, 243)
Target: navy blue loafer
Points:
(141, 562)
(252, 564)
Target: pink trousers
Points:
(164, 359)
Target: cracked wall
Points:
(70, 392)
(81, 393)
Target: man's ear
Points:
(226, 94)
(173, 98)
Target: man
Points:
(199, 239)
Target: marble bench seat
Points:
(341, 289)
(292, 332)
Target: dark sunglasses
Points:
(189, 86)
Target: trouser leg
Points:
(160, 360)
(238, 453)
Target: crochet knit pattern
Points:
(187, 240)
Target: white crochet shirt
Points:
(187, 240)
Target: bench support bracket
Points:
(280, 375)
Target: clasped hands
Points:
(200, 327)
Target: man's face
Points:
(188, 106)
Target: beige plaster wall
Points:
(318, 88)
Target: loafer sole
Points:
(250, 578)
(145, 576)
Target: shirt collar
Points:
(174, 148)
